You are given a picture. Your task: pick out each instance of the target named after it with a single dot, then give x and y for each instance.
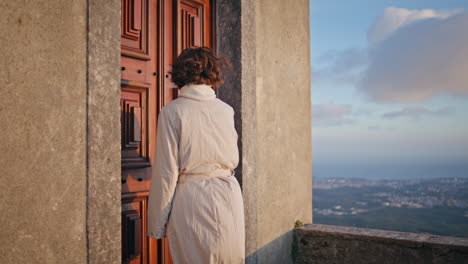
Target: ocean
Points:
(397, 170)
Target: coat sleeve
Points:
(164, 177)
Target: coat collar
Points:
(200, 92)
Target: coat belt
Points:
(186, 177)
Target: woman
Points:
(193, 189)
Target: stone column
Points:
(60, 151)
(273, 118)
(103, 146)
(43, 120)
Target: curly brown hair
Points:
(198, 65)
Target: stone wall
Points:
(43, 115)
(336, 244)
(103, 133)
(228, 45)
(268, 44)
(60, 154)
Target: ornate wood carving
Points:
(131, 223)
(193, 20)
(134, 106)
(190, 24)
(134, 28)
(134, 240)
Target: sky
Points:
(389, 88)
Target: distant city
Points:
(434, 206)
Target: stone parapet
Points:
(336, 244)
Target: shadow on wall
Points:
(277, 251)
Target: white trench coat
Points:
(193, 188)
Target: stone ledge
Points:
(337, 244)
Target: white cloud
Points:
(394, 18)
(416, 55)
(416, 112)
(331, 114)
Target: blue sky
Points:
(389, 88)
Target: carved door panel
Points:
(193, 27)
(193, 24)
(153, 33)
(139, 107)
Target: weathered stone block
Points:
(335, 244)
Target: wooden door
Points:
(153, 33)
